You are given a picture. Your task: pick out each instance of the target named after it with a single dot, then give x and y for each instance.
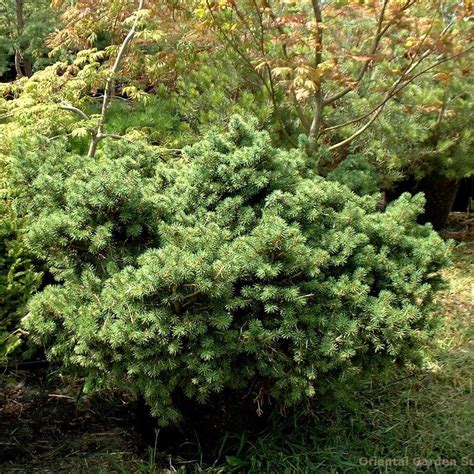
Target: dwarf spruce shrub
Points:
(233, 267)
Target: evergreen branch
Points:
(395, 90)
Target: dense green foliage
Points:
(427, 133)
(233, 267)
(24, 26)
(201, 184)
(358, 174)
(17, 279)
(18, 276)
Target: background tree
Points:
(24, 26)
(324, 55)
(424, 141)
(167, 41)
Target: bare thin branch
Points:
(395, 90)
(305, 122)
(110, 83)
(379, 33)
(115, 136)
(236, 49)
(269, 85)
(318, 53)
(75, 110)
(410, 68)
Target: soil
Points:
(46, 427)
(43, 428)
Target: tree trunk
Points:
(440, 193)
(27, 66)
(19, 54)
(465, 193)
(19, 72)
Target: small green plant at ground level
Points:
(18, 279)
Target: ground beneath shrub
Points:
(43, 428)
(46, 427)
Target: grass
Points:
(421, 421)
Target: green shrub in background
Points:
(234, 267)
(17, 280)
(358, 174)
